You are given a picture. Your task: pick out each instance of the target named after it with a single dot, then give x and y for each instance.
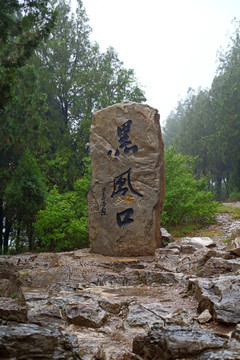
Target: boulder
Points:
(174, 342)
(220, 296)
(28, 341)
(127, 189)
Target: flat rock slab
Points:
(127, 189)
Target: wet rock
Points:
(28, 341)
(204, 317)
(167, 259)
(35, 297)
(205, 241)
(169, 343)
(142, 316)
(186, 245)
(12, 310)
(88, 315)
(221, 297)
(179, 318)
(132, 264)
(127, 188)
(166, 236)
(110, 305)
(219, 266)
(48, 315)
(149, 277)
(234, 246)
(8, 277)
(231, 354)
(194, 262)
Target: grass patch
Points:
(227, 240)
(230, 210)
(190, 229)
(13, 295)
(211, 233)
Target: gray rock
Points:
(144, 316)
(48, 315)
(110, 305)
(234, 246)
(221, 297)
(220, 355)
(127, 188)
(205, 241)
(171, 343)
(28, 341)
(12, 310)
(165, 235)
(219, 266)
(87, 315)
(204, 317)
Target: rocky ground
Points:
(184, 303)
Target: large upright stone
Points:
(127, 190)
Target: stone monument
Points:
(127, 189)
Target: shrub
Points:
(186, 198)
(62, 225)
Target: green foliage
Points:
(23, 25)
(207, 123)
(234, 196)
(186, 199)
(24, 195)
(62, 225)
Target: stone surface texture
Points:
(79, 305)
(127, 190)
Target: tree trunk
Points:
(1, 226)
(218, 188)
(7, 231)
(30, 236)
(226, 187)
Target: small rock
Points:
(234, 246)
(165, 235)
(204, 317)
(205, 241)
(110, 305)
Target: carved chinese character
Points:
(124, 217)
(122, 184)
(122, 133)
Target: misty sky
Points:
(171, 45)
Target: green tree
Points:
(24, 24)
(24, 196)
(23, 128)
(78, 80)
